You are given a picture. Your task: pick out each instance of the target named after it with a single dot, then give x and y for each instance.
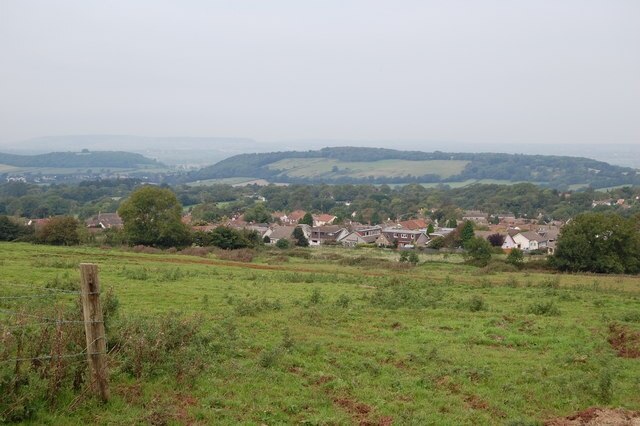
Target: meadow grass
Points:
(335, 336)
(316, 167)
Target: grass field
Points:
(234, 181)
(335, 336)
(326, 167)
(5, 168)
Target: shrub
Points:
(343, 301)
(543, 308)
(476, 303)
(316, 297)
(405, 295)
(515, 258)
(240, 255)
(60, 231)
(283, 244)
(478, 251)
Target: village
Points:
(504, 231)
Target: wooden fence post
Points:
(94, 328)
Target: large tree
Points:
(152, 216)
(598, 242)
(60, 231)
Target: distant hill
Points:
(85, 158)
(379, 165)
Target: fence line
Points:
(32, 287)
(50, 357)
(35, 296)
(93, 322)
(51, 320)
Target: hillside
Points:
(115, 159)
(378, 165)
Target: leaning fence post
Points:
(94, 328)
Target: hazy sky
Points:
(557, 71)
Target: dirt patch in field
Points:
(598, 417)
(624, 340)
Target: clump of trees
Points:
(152, 217)
(599, 242)
(228, 238)
(11, 230)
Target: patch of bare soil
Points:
(599, 417)
(625, 341)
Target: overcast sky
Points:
(549, 72)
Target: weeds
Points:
(543, 308)
(343, 301)
(249, 307)
(476, 303)
(409, 295)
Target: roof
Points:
(281, 232)
(296, 215)
(327, 228)
(533, 236)
(323, 217)
(414, 224)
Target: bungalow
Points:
(280, 232)
(529, 241)
(509, 243)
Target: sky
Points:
(477, 72)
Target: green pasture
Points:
(328, 167)
(350, 336)
(234, 181)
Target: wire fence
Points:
(17, 315)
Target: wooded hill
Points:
(378, 165)
(113, 159)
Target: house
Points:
(361, 235)
(295, 216)
(326, 234)
(323, 219)
(105, 221)
(476, 217)
(280, 232)
(413, 224)
(529, 241)
(289, 219)
(509, 243)
(441, 232)
(403, 237)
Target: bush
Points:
(283, 244)
(60, 231)
(476, 303)
(543, 308)
(478, 250)
(405, 295)
(409, 257)
(515, 258)
(343, 301)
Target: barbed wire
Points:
(50, 357)
(32, 287)
(52, 320)
(37, 296)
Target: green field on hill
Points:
(332, 336)
(327, 167)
